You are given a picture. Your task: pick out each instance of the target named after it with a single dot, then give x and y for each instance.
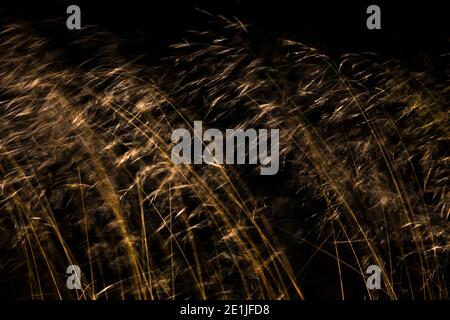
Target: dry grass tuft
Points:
(86, 176)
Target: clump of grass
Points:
(86, 176)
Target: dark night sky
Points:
(408, 27)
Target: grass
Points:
(86, 176)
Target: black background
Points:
(408, 28)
